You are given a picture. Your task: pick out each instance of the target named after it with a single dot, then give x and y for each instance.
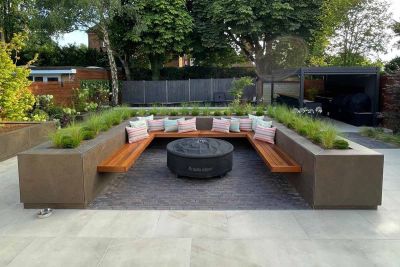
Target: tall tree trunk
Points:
(125, 63)
(155, 62)
(113, 66)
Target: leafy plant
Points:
(340, 144)
(195, 110)
(184, 109)
(173, 112)
(238, 86)
(69, 137)
(15, 98)
(217, 113)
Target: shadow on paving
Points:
(150, 185)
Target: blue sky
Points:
(80, 37)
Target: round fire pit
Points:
(199, 157)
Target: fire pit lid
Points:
(199, 147)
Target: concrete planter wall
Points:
(67, 178)
(334, 178)
(24, 138)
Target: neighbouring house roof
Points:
(59, 70)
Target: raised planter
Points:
(25, 136)
(67, 178)
(350, 178)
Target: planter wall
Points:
(334, 178)
(24, 138)
(67, 178)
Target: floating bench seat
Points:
(272, 155)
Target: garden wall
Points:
(62, 91)
(26, 136)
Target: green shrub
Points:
(206, 111)
(95, 123)
(217, 113)
(15, 98)
(239, 112)
(228, 112)
(39, 115)
(69, 137)
(141, 112)
(195, 111)
(340, 144)
(88, 133)
(328, 137)
(173, 112)
(154, 111)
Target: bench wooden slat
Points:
(272, 155)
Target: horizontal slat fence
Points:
(178, 91)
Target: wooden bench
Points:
(272, 155)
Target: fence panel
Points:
(223, 86)
(133, 92)
(200, 90)
(178, 91)
(156, 92)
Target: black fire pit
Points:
(199, 157)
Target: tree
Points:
(14, 17)
(333, 13)
(15, 98)
(396, 29)
(362, 33)
(166, 25)
(254, 27)
(393, 65)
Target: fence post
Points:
(212, 89)
(144, 92)
(189, 90)
(166, 90)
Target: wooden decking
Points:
(272, 155)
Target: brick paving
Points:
(150, 185)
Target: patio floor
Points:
(150, 185)
(201, 238)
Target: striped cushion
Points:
(156, 125)
(234, 124)
(245, 125)
(266, 124)
(265, 134)
(136, 124)
(187, 126)
(172, 125)
(255, 120)
(136, 134)
(220, 125)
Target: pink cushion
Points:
(136, 134)
(187, 126)
(245, 125)
(220, 125)
(265, 134)
(155, 125)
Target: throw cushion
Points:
(266, 124)
(245, 125)
(151, 117)
(254, 121)
(137, 124)
(187, 126)
(265, 134)
(234, 124)
(220, 125)
(155, 125)
(172, 125)
(136, 134)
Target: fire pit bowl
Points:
(199, 157)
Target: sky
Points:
(80, 37)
